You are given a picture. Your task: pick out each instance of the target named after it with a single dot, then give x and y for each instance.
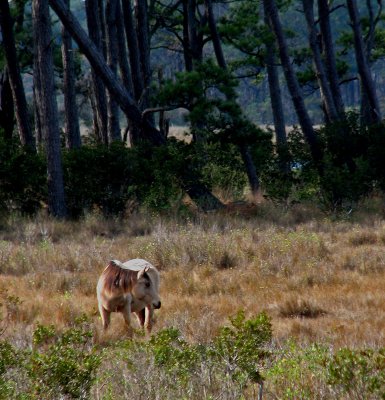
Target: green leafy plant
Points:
(242, 346)
(64, 363)
(358, 372)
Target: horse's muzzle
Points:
(157, 305)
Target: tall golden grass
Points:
(319, 278)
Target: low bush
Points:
(233, 365)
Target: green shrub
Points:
(243, 346)
(63, 364)
(97, 178)
(8, 360)
(172, 368)
(22, 179)
(298, 373)
(358, 373)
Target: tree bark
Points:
(94, 30)
(98, 63)
(363, 63)
(195, 37)
(7, 110)
(326, 93)
(369, 44)
(36, 89)
(71, 115)
(292, 84)
(133, 48)
(112, 62)
(329, 55)
(188, 61)
(215, 35)
(142, 35)
(124, 65)
(47, 106)
(20, 102)
(276, 100)
(135, 64)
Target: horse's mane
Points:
(116, 277)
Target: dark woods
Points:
(91, 92)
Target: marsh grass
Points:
(319, 278)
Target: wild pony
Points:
(129, 287)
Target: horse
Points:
(128, 287)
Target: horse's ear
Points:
(141, 273)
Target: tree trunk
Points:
(97, 62)
(7, 111)
(124, 65)
(94, 30)
(195, 37)
(326, 93)
(365, 109)
(215, 35)
(186, 41)
(71, 116)
(276, 101)
(363, 63)
(135, 64)
(122, 52)
(251, 170)
(112, 62)
(292, 83)
(36, 89)
(329, 55)
(47, 106)
(142, 35)
(19, 100)
(133, 48)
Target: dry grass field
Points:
(320, 279)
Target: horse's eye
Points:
(147, 284)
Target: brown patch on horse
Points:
(116, 278)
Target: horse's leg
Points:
(141, 317)
(149, 314)
(105, 315)
(126, 311)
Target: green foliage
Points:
(156, 174)
(9, 359)
(305, 372)
(358, 371)
(223, 169)
(201, 92)
(174, 354)
(238, 350)
(244, 29)
(224, 367)
(63, 364)
(295, 372)
(22, 178)
(97, 177)
(242, 346)
(352, 166)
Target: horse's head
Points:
(146, 288)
